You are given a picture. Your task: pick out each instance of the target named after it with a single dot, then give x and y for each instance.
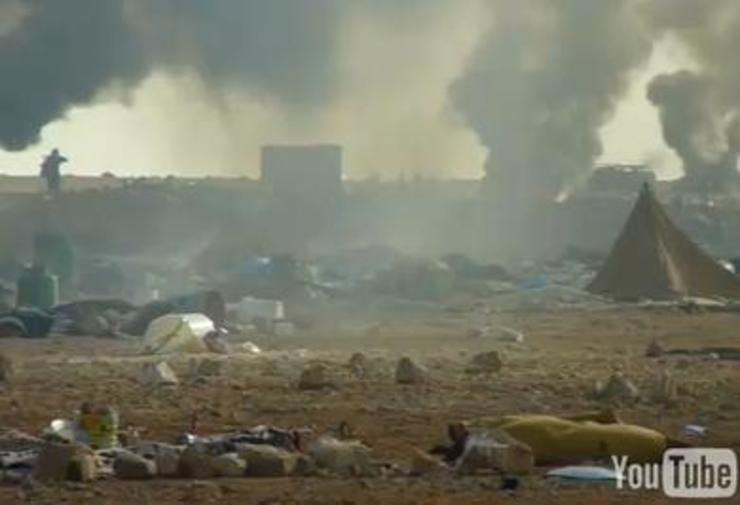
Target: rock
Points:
(506, 334)
(359, 364)
(197, 464)
(6, 368)
(94, 325)
(316, 377)
(408, 372)
(486, 362)
(250, 348)
(59, 462)
(167, 463)
(130, 466)
(205, 367)
(617, 388)
(342, 457)
(305, 466)
(665, 390)
(229, 465)
(654, 349)
(216, 343)
(267, 461)
(158, 375)
(495, 451)
(423, 464)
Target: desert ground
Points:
(553, 371)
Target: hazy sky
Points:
(390, 109)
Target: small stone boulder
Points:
(316, 377)
(60, 462)
(159, 374)
(664, 389)
(267, 461)
(195, 463)
(229, 465)
(617, 389)
(6, 368)
(485, 363)
(409, 372)
(359, 365)
(654, 350)
(347, 458)
(168, 462)
(130, 466)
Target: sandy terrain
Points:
(552, 371)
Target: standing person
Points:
(51, 171)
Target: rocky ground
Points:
(553, 371)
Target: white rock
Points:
(342, 457)
(159, 374)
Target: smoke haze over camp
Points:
(530, 93)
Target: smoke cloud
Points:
(57, 54)
(700, 110)
(60, 54)
(535, 80)
(541, 84)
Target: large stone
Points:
(665, 389)
(495, 451)
(485, 363)
(59, 462)
(316, 377)
(342, 457)
(267, 461)
(166, 457)
(617, 389)
(359, 365)
(506, 334)
(229, 465)
(159, 374)
(196, 464)
(6, 368)
(167, 463)
(408, 372)
(130, 466)
(654, 349)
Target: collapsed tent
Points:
(653, 259)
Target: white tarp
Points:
(250, 309)
(180, 333)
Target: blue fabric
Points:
(583, 473)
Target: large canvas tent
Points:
(653, 259)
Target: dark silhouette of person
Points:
(51, 171)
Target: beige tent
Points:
(653, 259)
